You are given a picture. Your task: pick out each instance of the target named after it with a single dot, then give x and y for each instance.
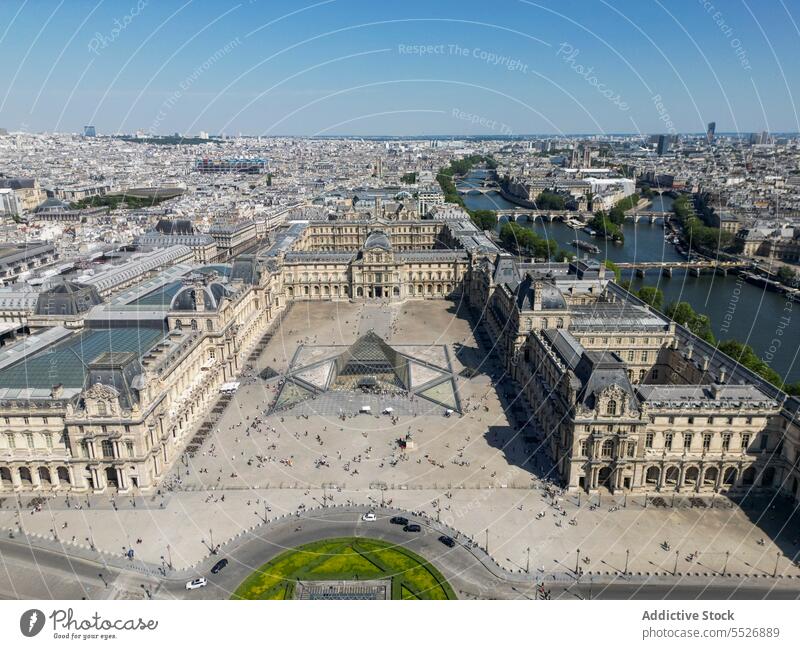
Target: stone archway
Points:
(652, 475)
(710, 476)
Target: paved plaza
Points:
(471, 471)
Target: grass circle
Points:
(346, 559)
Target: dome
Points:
(377, 239)
(67, 298)
(186, 299)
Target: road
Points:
(46, 574)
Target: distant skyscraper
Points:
(575, 156)
(587, 157)
(712, 128)
(663, 145)
(89, 131)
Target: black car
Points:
(447, 541)
(219, 565)
(412, 527)
(398, 520)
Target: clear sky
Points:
(271, 67)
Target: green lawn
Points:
(351, 558)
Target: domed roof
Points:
(67, 298)
(377, 239)
(186, 299)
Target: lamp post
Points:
(528, 562)
(577, 560)
(777, 559)
(169, 556)
(627, 556)
(675, 569)
(725, 567)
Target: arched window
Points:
(209, 325)
(611, 409)
(194, 325)
(608, 448)
(178, 325)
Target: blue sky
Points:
(268, 67)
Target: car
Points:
(369, 517)
(412, 527)
(219, 565)
(447, 541)
(398, 520)
(196, 583)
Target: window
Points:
(690, 420)
(29, 439)
(726, 441)
(611, 409)
(608, 448)
(687, 441)
(668, 441)
(644, 357)
(631, 449)
(706, 441)
(44, 420)
(648, 440)
(630, 355)
(745, 441)
(12, 442)
(641, 375)
(108, 448)
(730, 421)
(26, 420)
(129, 448)
(6, 420)
(654, 373)
(584, 448)
(764, 441)
(671, 420)
(48, 440)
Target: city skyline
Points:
(351, 68)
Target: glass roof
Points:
(65, 362)
(162, 296)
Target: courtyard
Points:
(471, 471)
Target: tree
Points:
(550, 201)
(409, 178)
(787, 276)
(610, 265)
(652, 296)
(745, 355)
(484, 219)
(698, 324)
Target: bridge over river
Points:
(694, 267)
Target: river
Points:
(762, 319)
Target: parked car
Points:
(398, 520)
(196, 583)
(412, 527)
(219, 565)
(447, 541)
(369, 517)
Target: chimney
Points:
(56, 391)
(722, 374)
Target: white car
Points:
(196, 583)
(369, 517)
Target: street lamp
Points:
(577, 560)
(675, 569)
(627, 556)
(725, 567)
(528, 563)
